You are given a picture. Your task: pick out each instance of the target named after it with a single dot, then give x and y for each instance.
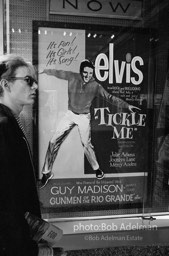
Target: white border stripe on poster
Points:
(134, 174)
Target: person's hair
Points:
(85, 63)
(8, 66)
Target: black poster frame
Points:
(100, 210)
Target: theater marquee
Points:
(102, 8)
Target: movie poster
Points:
(119, 137)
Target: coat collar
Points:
(5, 110)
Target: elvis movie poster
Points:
(98, 125)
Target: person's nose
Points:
(35, 86)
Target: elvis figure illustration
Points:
(82, 89)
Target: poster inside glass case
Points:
(94, 116)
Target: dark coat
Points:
(18, 193)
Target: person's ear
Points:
(5, 84)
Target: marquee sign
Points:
(121, 9)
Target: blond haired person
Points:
(18, 193)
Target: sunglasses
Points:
(28, 79)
